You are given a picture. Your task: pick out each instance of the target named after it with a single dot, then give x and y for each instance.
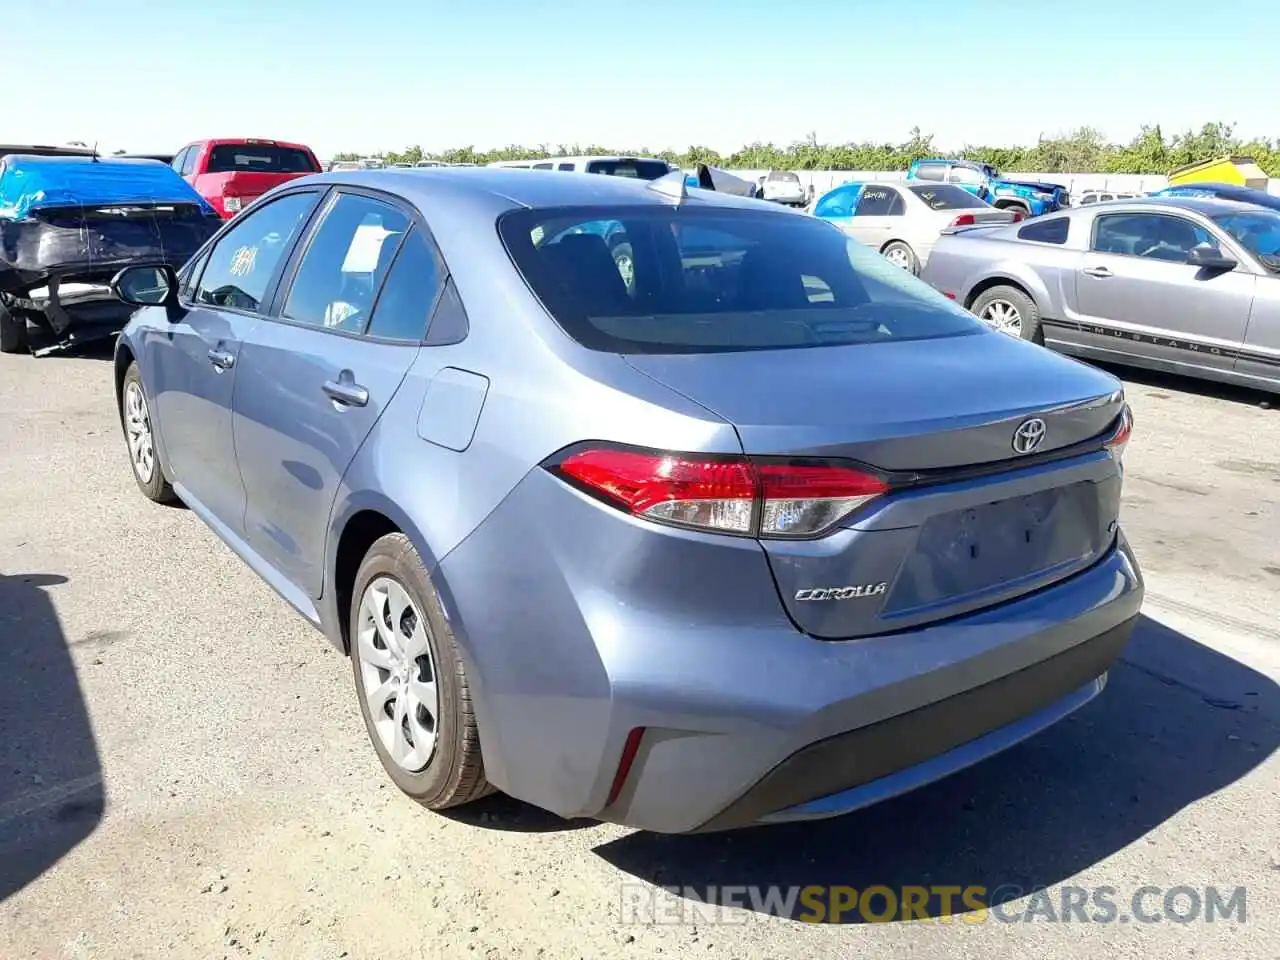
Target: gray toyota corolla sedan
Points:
(766, 530)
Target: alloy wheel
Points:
(1003, 316)
(398, 673)
(137, 423)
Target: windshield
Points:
(257, 158)
(708, 280)
(943, 196)
(636, 169)
(1258, 231)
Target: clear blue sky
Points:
(383, 74)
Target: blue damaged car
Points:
(984, 181)
(68, 222)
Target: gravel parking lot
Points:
(184, 772)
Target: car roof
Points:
(507, 188)
(1205, 206)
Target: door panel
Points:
(1260, 353)
(1148, 301)
(192, 377)
(295, 436)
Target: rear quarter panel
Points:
(964, 264)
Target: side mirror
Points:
(1208, 256)
(146, 286)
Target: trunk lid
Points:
(246, 185)
(971, 521)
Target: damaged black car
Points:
(68, 224)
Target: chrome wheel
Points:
(137, 425)
(398, 674)
(899, 257)
(1003, 316)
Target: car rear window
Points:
(255, 158)
(786, 176)
(943, 196)
(710, 280)
(636, 169)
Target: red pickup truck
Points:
(231, 174)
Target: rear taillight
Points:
(765, 498)
(964, 220)
(1119, 439)
(1018, 216)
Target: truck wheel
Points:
(13, 331)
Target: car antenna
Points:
(671, 185)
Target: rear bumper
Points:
(580, 626)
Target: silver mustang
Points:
(1189, 286)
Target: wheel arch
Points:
(1038, 295)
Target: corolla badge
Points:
(843, 593)
(1029, 435)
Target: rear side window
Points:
(189, 159)
(259, 158)
(409, 293)
(708, 279)
(1052, 230)
(241, 267)
(931, 171)
(879, 202)
(345, 263)
(839, 202)
(947, 197)
(965, 175)
(636, 169)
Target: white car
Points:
(640, 168)
(903, 220)
(783, 186)
(1102, 196)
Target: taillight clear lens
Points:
(726, 494)
(801, 500)
(1117, 442)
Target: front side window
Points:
(345, 263)
(177, 162)
(945, 196)
(965, 175)
(839, 202)
(1152, 236)
(877, 201)
(241, 267)
(709, 279)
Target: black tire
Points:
(454, 773)
(1017, 208)
(13, 331)
(912, 262)
(1028, 312)
(155, 487)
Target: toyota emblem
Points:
(1029, 435)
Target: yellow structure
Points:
(1241, 171)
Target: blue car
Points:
(1030, 198)
(68, 222)
(1222, 191)
(771, 534)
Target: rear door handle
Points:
(346, 391)
(1098, 272)
(222, 359)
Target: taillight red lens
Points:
(1018, 216)
(964, 220)
(1120, 439)
(727, 494)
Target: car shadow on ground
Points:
(1173, 383)
(1177, 722)
(501, 812)
(51, 794)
